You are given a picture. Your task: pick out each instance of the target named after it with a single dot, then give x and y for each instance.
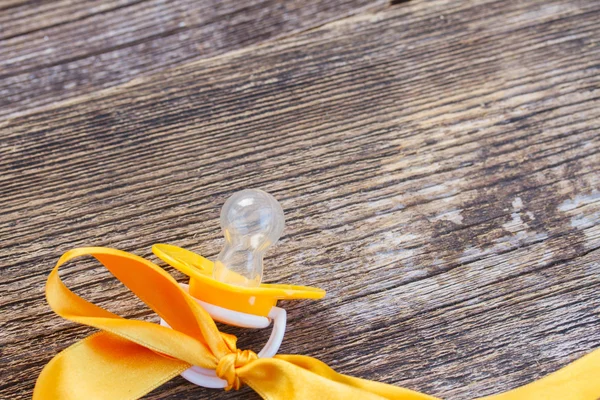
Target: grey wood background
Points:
(438, 162)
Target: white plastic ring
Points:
(207, 377)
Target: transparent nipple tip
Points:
(251, 220)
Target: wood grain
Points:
(438, 163)
(51, 51)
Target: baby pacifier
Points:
(230, 288)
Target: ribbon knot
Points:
(226, 369)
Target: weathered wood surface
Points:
(438, 163)
(58, 50)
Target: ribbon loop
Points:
(228, 365)
(131, 358)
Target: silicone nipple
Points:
(251, 220)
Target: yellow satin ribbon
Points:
(130, 358)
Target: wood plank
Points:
(52, 51)
(438, 164)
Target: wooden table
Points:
(438, 163)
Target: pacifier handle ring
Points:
(279, 318)
(207, 377)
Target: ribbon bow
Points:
(130, 358)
